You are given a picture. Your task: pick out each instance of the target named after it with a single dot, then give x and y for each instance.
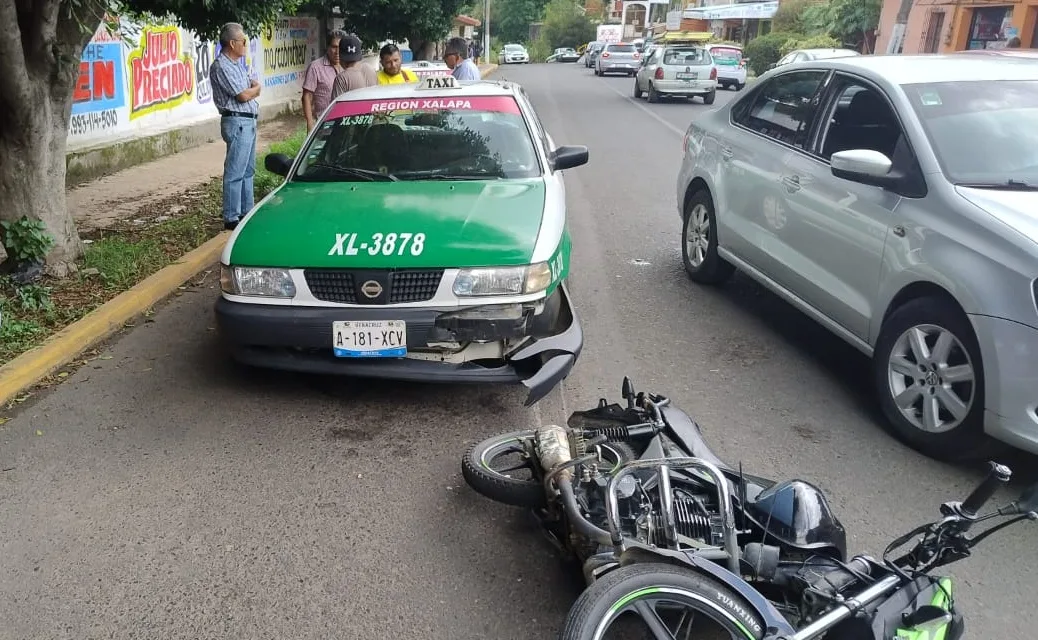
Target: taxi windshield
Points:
(476, 138)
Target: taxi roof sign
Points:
(438, 82)
(684, 37)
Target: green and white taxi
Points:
(420, 234)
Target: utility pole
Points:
(486, 30)
(897, 34)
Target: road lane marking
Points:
(647, 110)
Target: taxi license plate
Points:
(369, 338)
(687, 76)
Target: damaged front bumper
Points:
(538, 351)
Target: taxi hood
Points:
(466, 223)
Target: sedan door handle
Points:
(792, 183)
(726, 154)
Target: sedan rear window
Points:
(981, 131)
(686, 56)
(620, 48)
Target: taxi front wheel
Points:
(699, 242)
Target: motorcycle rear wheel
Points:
(641, 588)
(482, 477)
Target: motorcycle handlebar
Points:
(998, 475)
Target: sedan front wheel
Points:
(930, 380)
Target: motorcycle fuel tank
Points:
(797, 514)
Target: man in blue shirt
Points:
(456, 56)
(234, 96)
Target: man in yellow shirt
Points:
(392, 72)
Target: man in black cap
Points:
(355, 73)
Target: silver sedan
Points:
(893, 199)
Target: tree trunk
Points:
(32, 176)
(39, 62)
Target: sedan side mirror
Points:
(277, 163)
(860, 164)
(568, 156)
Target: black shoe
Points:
(229, 226)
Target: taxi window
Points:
(419, 139)
(686, 56)
(726, 55)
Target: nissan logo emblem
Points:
(371, 289)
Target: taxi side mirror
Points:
(277, 163)
(568, 156)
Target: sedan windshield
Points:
(481, 138)
(982, 132)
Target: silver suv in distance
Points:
(894, 199)
(618, 57)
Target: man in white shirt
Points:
(456, 57)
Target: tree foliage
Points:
(800, 16)
(849, 20)
(565, 25)
(205, 17)
(763, 51)
(511, 20)
(415, 20)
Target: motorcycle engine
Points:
(696, 514)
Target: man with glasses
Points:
(456, 57)
(234, 96)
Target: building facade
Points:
(942, 26)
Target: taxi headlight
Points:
(257, 281)
(501, 281)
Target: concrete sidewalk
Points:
(121, 195)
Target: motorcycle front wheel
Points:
(660, 601)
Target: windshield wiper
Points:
(1008, 185)
(447, 176)
(356, 172)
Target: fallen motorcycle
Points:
(663, 529)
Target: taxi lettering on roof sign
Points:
(439, 82)
(420, 235)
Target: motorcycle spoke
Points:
(653, 620)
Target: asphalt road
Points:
(161, 492)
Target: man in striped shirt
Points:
(234, 96)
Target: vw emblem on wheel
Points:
(371, 289)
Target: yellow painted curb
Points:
(32, 366)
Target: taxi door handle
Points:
(792, 183)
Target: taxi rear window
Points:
(726, 54)
(421, 139)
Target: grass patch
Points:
(119, 257)
(265, 181)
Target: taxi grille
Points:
(399, 287)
